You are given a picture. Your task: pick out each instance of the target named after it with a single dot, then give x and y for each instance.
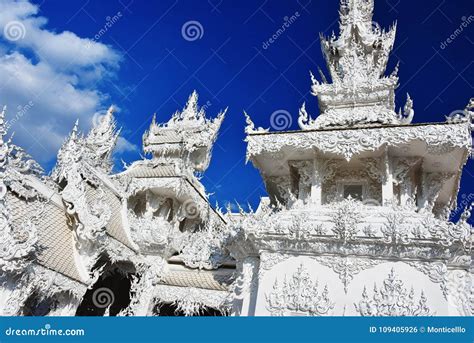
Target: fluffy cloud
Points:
(49, 79)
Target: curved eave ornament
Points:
(17, 242)
(348, 143)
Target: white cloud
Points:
(64, 50)
(48, 78)
(124, 146)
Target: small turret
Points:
(360, 94)
(186, 139)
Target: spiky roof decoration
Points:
(187, 137)
(359, 93)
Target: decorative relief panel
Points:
(347, 267)
(392, 299)
(299, 295)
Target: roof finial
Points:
(111, 110)
(3, 129)
(190, 111)
(75, 128)
(356, 12)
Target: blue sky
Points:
(69, 63)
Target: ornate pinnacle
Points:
(395, 70)
(3, 129)
(71, 142)
(250, 128)
(75, 129)
(408, 111)
(323, 77)
(186, 131)
(314, 81)
(191, 110)
(250, 125)
(304, 121)
(101, 141)
(111, 110)
(356, 12)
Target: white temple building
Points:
(356, 221)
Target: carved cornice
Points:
(352, 142)
(342, 225)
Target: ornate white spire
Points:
(187, 138)
(359, 94)
(356, 12)
(69, 153)
(250, 128)
(101, 141)
(191, 111)
(3, 129)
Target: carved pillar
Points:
(279, 187)
(387, 185)
(303, 170)
(402, 176)
(431, 185)
(143, 288)
(317, 182)
(141, 303)
(249, 285)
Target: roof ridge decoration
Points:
(89, 219)
(95, 149)
(359, 93)
(17, 243)
(101, 141)
(186, 139)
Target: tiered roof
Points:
(187, 138)
(360, 93)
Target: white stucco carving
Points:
(355, 222)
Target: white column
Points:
(248, 292)
(387, 186)
(316, 183)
